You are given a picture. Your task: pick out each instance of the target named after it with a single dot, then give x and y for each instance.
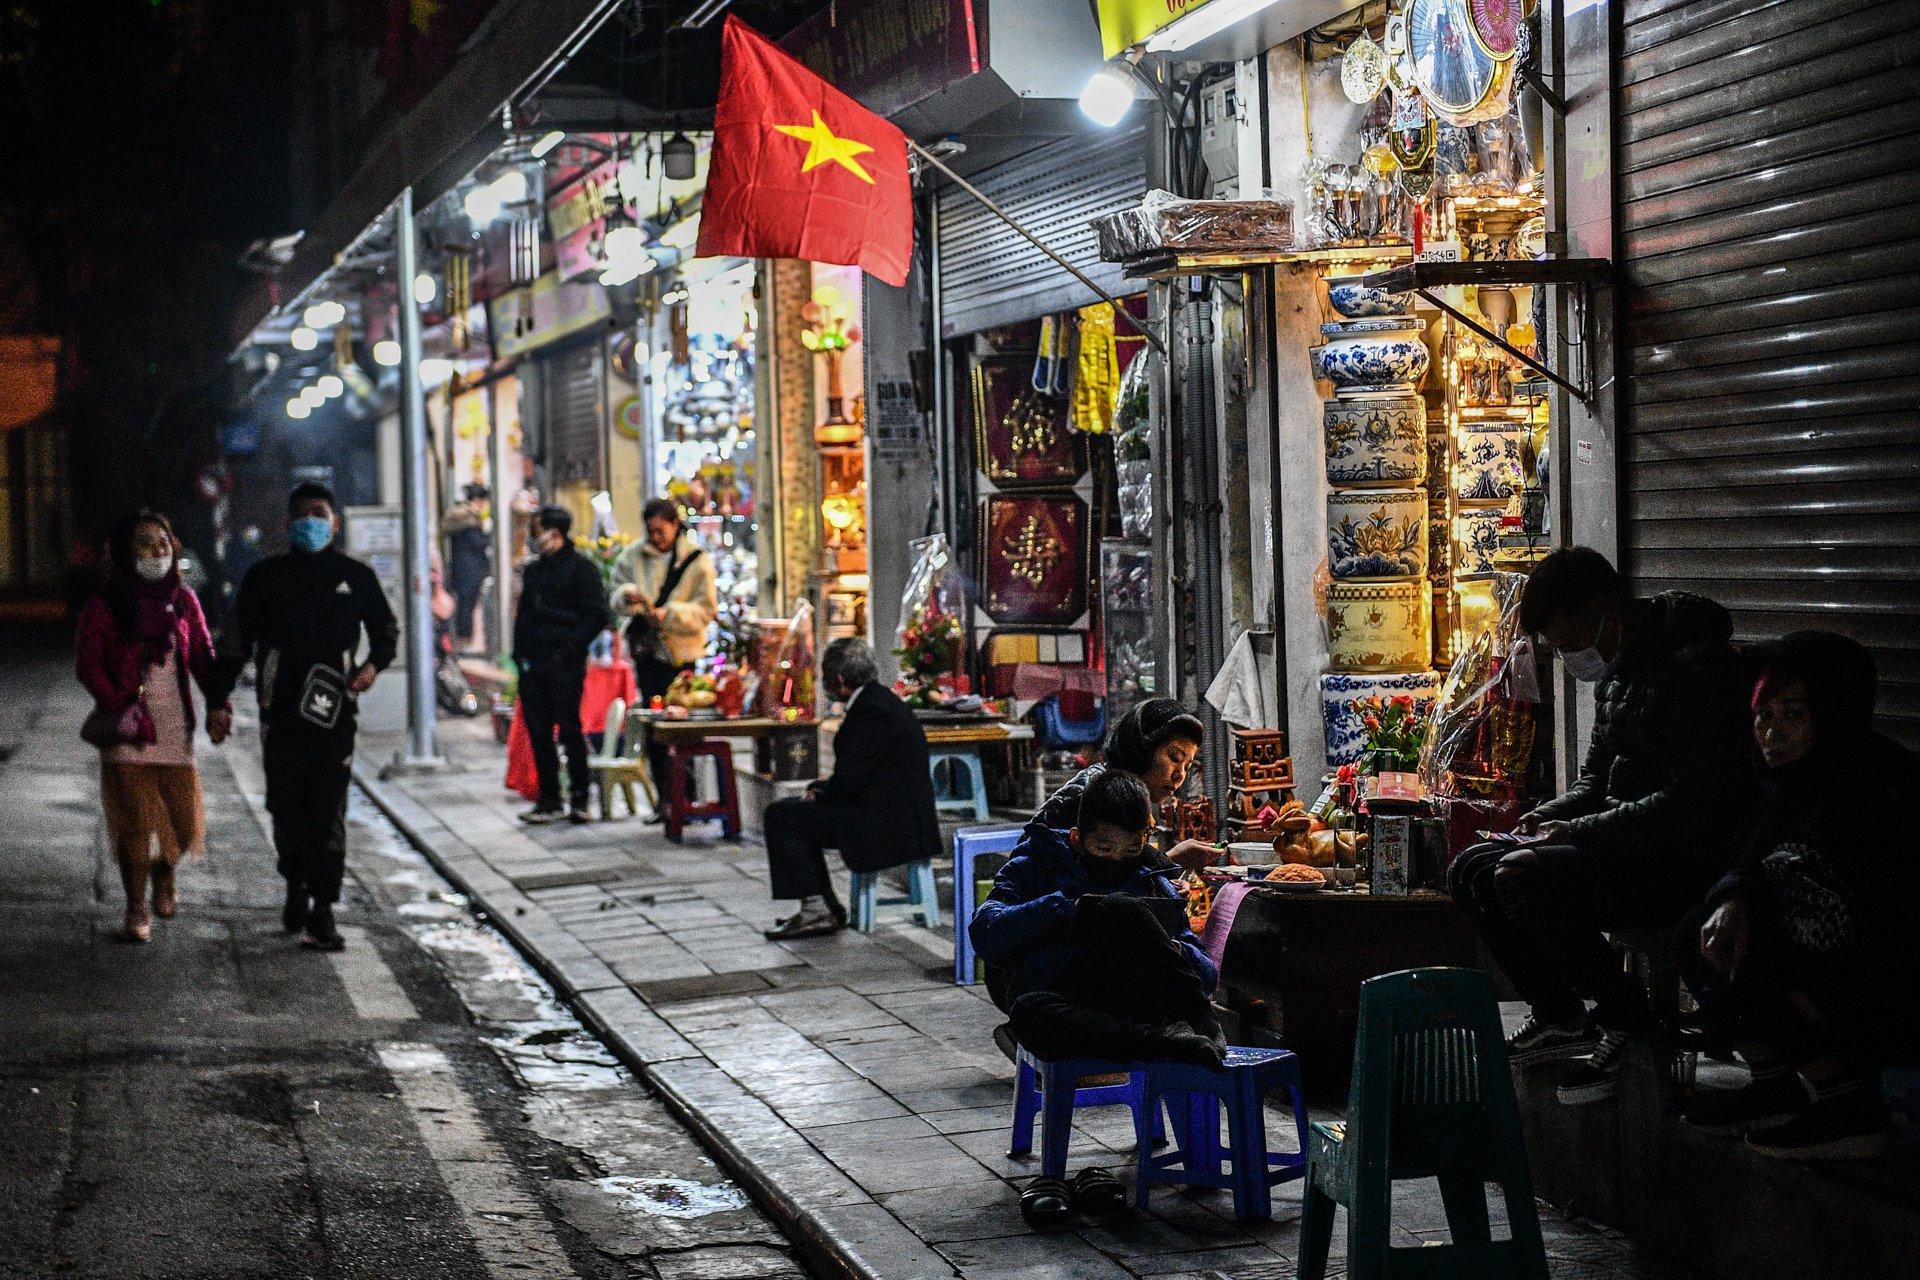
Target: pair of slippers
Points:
(1047, 1203)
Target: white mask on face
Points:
(1587, 665)
(153, 568)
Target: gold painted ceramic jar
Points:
(1379, 626)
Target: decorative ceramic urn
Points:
(1376, 440)
(1356, 301)
(1489, 465)
(1346, 736)
(1377, 533)
(1378, 353)
(1379, 627)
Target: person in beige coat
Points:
(664, 587)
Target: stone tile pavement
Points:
(845, 1081)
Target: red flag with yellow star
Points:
(799, 169)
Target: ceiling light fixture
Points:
(547, 143)
(303, 339)
(1109, 94)
(386, 352)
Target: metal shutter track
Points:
(1770, 240)
(991, 276)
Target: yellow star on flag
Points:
(823, 147)
(421, 14)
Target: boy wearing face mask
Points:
(1660, 809)
(560, 612)
(1093, 937)
(300, 616)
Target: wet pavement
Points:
(222, 1104)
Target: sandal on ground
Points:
(1046, 1203)
(136, 927)
(1097, 1193)
(166, 892)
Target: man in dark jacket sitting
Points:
(877, 808)
(1094, 940)
(562, 608)
(1659, 811)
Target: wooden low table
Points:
(783, 750)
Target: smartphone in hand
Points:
(1509, 837)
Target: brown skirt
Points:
(153, 808)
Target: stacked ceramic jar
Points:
(1379, 522)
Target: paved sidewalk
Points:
(845, 1080)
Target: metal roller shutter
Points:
(990, 276)
(575, 414)
(1770, 240)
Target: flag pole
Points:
(1119, 307)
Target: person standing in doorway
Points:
(469, 559)
(561, 611)
(301, 617)
(664, 587)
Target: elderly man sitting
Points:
(876, 809)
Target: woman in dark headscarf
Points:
(1806, 953)
(1156, 741)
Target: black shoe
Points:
(1097, 1193)
(579, 815)
(1046, 1203)
(320, 933)
(1538, 1041)
(541, 814)
(1599, 1076)
(1849, 1126)
(805, 924)
(1761, 1104)
(294, 915)
(1004, 1042)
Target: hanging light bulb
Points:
(303, 339)
(330, 385)
(677, 155)
(297, 408)
(482, 204)
(1108, 95)
(312, 396)
(510, 187)
(547, 143)
(425, 288)
(324, 315)
(386, 352)
(434, 370)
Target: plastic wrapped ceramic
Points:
(1453, 68)
(1379, 626)
(1476, 535)
(1372, 352)
(1377, 533)
(1356, 301)
(1489, 466)
(1346, 736)
(1363, 70)
(1376, 440)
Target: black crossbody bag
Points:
(643, 633)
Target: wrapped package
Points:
(1480, 742)
(1166, 223)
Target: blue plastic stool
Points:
(949, 800)
(969, 845)
(1196, 1094)
(922, 896)
(1050, 1092)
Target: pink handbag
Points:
(132, 727)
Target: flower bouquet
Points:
(1395, 733)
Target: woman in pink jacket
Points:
(142, 643)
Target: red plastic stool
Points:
(682, 808)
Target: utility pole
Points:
(416, 521)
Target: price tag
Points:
(1440, 251)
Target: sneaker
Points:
(1848, 1126)
(320, 933)
(1759, 1105)
(540, 815)
(1599, 1076)
(1538, 1041)
(293, 916)
(579, 815)
(1003, 1041)
(804, 924)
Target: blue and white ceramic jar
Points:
(1358, 302)
(1377, 533)
(1346, 736)
(1489, 465)
(1476, 535)
(1376, 440)
(1385, 351)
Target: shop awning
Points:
(435, 144)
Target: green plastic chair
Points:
(1432, 1097)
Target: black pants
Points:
(653, 676)
(1125, 985)
(466, 602)
(550, 700)
(307, 778)
(1554, 949)
(799, 832)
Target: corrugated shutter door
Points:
(990, 275)
(575, 407)
(1770, 240)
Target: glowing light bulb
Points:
(304, 339)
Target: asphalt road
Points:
(223, 1104)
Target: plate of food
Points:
(1294, 877)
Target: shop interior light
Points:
(434, 370)
(677, 155)
(298, 408)
(510, 186)
(1109, 95)
(386, 352)
(1208, 19)
(482, 205)
(547, 143)
(330, 385)
(425, 288)
(324, 315)
(303, 339)
(313, 396)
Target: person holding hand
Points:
(1157, 741)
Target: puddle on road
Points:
(575, 1092)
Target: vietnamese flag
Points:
(799, 169)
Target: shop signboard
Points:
(895, 423)
(573, 218)
(545, 311)
(1125, 23)
(887, 59)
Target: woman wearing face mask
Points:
(141, 644)
(1805, 953)
(1157, 742)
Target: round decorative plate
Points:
(1452, 69)
(1497, 25)
(1363, 70)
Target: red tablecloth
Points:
(605, 682)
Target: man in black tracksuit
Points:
(300, 616)
(563, 606)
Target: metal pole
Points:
(417, 523)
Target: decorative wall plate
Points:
(1496, 23)
(1363, 70)
(1454, 71)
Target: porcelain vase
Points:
(1358, 302)
(1376, 440)
(1379, 627)
(1346, 736)
(1489, 464)
(1476, 536)
(1384, 352)
(1377, 533)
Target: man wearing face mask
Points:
(561, 610)
(300, 617)
(1660, 809)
